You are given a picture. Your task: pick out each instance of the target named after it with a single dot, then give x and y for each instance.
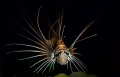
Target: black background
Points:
(100, 53)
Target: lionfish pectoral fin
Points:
(83, 32)
(86, 38)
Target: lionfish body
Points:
(53, 48)
(60, 53)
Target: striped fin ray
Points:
(55, 33)
(72, 45)
(38, 31)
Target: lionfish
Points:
(53, 48)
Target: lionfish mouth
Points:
(62, 59)
(46, 47)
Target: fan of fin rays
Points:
(46, 47)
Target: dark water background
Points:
(100, 53)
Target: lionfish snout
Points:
(62, 58)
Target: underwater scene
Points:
(59, 38)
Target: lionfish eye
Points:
(57, 54)
(66, 53)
